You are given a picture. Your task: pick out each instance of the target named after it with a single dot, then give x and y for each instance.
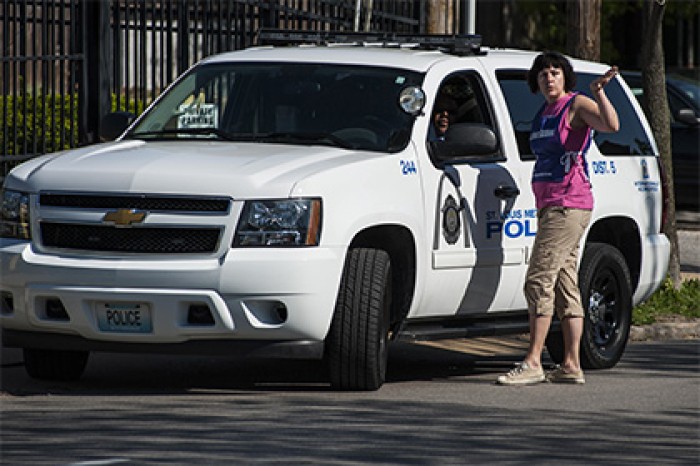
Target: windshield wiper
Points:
(281, 137)
(198, 131)
(310, 138)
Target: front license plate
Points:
(124, 317)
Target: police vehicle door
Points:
(481, 231)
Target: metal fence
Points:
(41, 62)
(67, 63)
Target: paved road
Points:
(689, 244)
(689, 241)
(439, 407)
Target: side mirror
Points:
(114, 124)
(466, 140)
(687, 116)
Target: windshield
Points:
(354, 107)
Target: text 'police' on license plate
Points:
(124, 317)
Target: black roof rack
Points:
(455, 44)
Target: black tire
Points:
(606, 293)
(55, 364)
(357, 342)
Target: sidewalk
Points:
(666, 331)
(689, 242)
(675, 330)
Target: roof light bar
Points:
(461, 44)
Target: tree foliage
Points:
(548, 28)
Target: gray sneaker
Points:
(559, 375)
(523, 374)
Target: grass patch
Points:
(668, 302)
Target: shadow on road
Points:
(222, 411)
(112, 374)
(128, 374)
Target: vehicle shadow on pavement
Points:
(319, 430)
(114, 374)
(678, 357)
(464, 360)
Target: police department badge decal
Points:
(451, 225)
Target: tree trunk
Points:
(656, 108)
(583, 24)
(440, 16)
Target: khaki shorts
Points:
(552, 278)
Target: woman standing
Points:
(561, 136)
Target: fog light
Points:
(7, 303)
(199, 314)
(281, 311)
(55, 310)
(266, 314)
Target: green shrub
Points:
(134, 106)
(38, 124)
(46, 123)
(668, 301)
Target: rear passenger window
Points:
(522, 104)
(631, 139)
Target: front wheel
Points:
(357, 342)
(606, 294)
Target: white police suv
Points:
(293, 201)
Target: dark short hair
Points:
(443, 103)
(556, 60)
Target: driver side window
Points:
(461, 101)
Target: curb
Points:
(665, 331)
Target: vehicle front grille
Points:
(144, 202)
(145, 240)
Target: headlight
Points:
(14, 217)
(287, 222)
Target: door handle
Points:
(506, 192)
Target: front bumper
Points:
(293, 349)
(255, 295)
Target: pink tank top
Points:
(574, 190)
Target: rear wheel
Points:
(606, 294)
(55, 364)
(357, 343)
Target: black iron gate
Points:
(41, 63)
(66, 63)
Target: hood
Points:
(239, 170)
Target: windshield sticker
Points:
(197, 114)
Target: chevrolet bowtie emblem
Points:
(124, 217)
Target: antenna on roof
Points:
(460, 44)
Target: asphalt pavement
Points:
(689, 244)
(438, 407)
